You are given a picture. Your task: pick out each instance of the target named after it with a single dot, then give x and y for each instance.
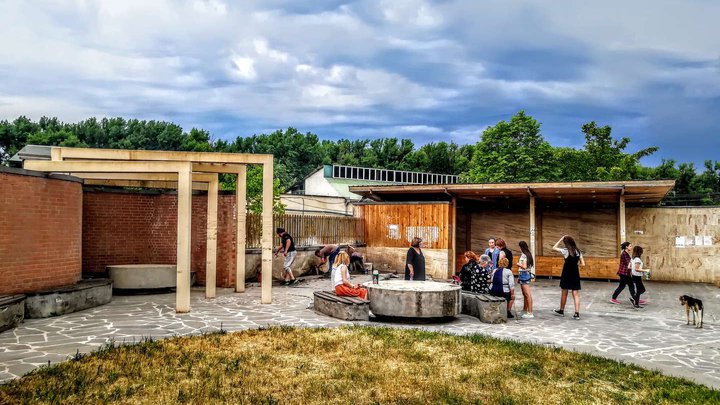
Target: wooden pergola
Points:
(605, 192)
(184, 171)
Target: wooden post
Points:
(184, 205)
(532, 225)
(621, 219)
(453, 227)
(241, 221)
(267, 232)
(211, 259)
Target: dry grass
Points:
(346, 365)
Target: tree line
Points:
(510, 151)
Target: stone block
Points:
(143, 276)
(414, 299)
(486, 307)
(12, 311)
(327, 303)
(64, 300)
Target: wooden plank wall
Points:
(595, 267)
(655, 230)
(594, 230)
(379, 217)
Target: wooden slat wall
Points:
(309, 230)
(378, 218)
(595, 267)
(513, 225)
(594, 230)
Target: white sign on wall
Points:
(428, 234)
(693, 241)
(393, 231)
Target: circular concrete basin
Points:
(141, 276)
(414, 299)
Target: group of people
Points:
(338, 262)
(489, 273)
(631, 271)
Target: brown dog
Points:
(696, 306)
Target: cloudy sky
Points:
(426, 70)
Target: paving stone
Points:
(655, 336)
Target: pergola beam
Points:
(154, 155)
(184, 170)
(170, 185)
(106, 166)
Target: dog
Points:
(696, 306)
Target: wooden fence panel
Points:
(309, 230)
(394, 225)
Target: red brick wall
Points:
(125, 228)
(40, 232)
(116, 230)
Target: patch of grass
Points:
(363, 365)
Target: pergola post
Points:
(621, 219)
(184, 205)
(211, 256)
(532, 225)
(241, 239)
(267, 231)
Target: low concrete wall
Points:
(392, 259)
(83, 295)
(12, 311)
(142, 276)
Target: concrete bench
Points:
(347, 308)
(12, 311)
(486, 307)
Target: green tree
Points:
(511, 152)
(607, 155)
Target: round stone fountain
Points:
(414, 299)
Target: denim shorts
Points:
(524, 278)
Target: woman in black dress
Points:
(415, 262)
(570, 277)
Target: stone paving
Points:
(655, 336)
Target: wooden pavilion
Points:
(461, 217)
(184, 171)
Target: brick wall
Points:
(40, 232)
(133, 228)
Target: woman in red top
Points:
(624, 273)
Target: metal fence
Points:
(309, 230)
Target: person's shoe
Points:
(642, 302)
(614, 301)
(285, 282)
(510, 315)
(576, 316)
(632, 301)
(559, 312)
(294, 281)
(527, 315)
